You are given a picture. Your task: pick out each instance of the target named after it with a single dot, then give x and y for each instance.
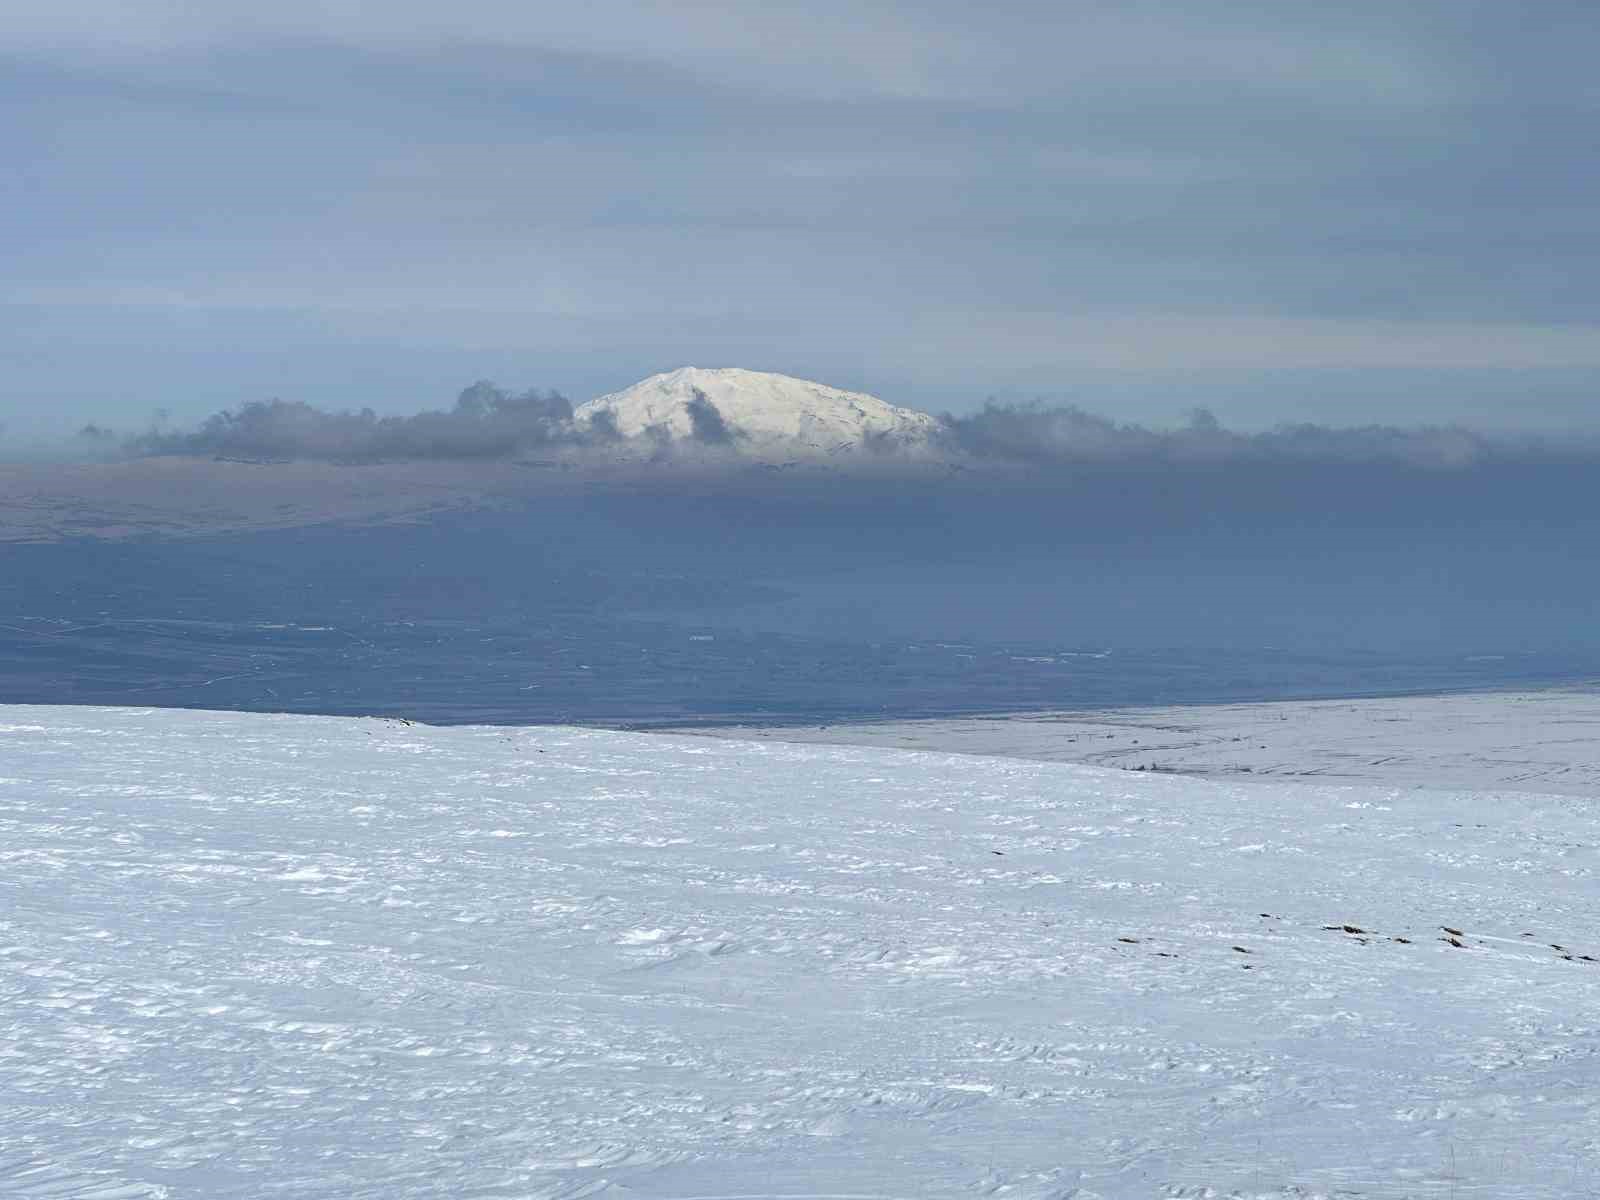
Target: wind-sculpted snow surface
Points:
(254, 956)
(1545, 741)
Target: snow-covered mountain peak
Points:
(757, 414)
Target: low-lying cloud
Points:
(486, 423)
(1054, 524)
(1043, 436)
(489, 423)
(706, 423)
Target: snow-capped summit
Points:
(758, 415)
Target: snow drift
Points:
(248, 955)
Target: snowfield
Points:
(256, 956)
(1543, 741)
(766, 417)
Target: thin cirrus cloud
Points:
(1139, 206)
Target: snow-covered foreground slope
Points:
(1545, 741)
(248, 956)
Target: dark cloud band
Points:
(488, 422)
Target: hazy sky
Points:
(1281, 210)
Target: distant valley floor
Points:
(1535, 741)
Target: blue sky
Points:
(1282, 211)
